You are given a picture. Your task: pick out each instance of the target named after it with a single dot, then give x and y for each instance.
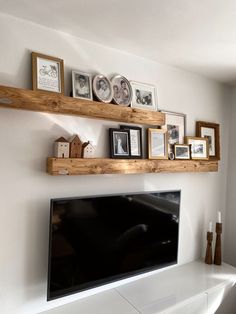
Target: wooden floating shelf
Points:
(16, 98)
(80, 166)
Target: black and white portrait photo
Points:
(122, 90)
(102, 88)
(120, 143)
(173, 133)
(199, 147)
(144, 96)
(82, 85)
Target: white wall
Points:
(26, 140)
(230, 223)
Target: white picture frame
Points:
(144, 96)
(82, 85)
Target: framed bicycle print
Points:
(47, 73)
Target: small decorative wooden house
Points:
(88, 150)
(61, 148)
(76, 147)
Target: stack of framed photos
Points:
(126, 142)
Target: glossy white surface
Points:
(102, 303)
(172, 287)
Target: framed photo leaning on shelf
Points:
(102, 88)
(119, 143)
(199, 147)
(144, 96)
(122, 90)
(182, 151)
(212, 132)
(175, 125)
(82, 85)
(135, 140)
(157, 144)
(47, 73)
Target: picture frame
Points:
(102, 88)
(182, 151)
(47, 73)
(212, 132)
(136, 150)
(157, 144)
(119, 143)
(122, 90)
(82, 85)
(199, 147)
(144, 96)
(175, 124)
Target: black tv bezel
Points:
(107, 280)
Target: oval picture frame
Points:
(122, 90)
(102, 88)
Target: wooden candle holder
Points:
(217, 256)
(208, 258)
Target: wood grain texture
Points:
(16, 98)
(74, 166)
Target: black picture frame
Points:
(134, 129)
(119, 143)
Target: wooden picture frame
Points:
(136, 150)
(212, 132)
(47, 73)
(199, 147)
(182, 151)
(157, 144)
(144, 96)
(119, 143)
(82, 85)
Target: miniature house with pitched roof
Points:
(61, 148)
(88, 150)
(76, 147)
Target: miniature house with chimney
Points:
(76, 147)
(88, 150)
(61, 148)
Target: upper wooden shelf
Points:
(24, 99)
(82, 166)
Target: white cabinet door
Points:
(196, 305)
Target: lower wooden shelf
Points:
(80, 166)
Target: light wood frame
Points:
(35, 70)
(216, 127)
(182, 145)
(151, 145)
(188, 140)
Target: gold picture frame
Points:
(47, 73)
(199, 147)
(157, 144)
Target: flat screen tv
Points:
(99, 239)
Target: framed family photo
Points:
(144, 96)
(212, 132)
(47, 73)
(102, 88)
(135, 140)
(122, 90)
(82, 85)
(157, 144)
(182, 151)
(175, 125)
(199, 147)
(119, 143)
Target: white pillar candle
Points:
(219, 217)
(210, 226)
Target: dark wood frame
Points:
(187, 138)
(112, 144)
(34, 56)
(216, 127)
(183, 145)
(130, 127)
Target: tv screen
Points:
(100, 239)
